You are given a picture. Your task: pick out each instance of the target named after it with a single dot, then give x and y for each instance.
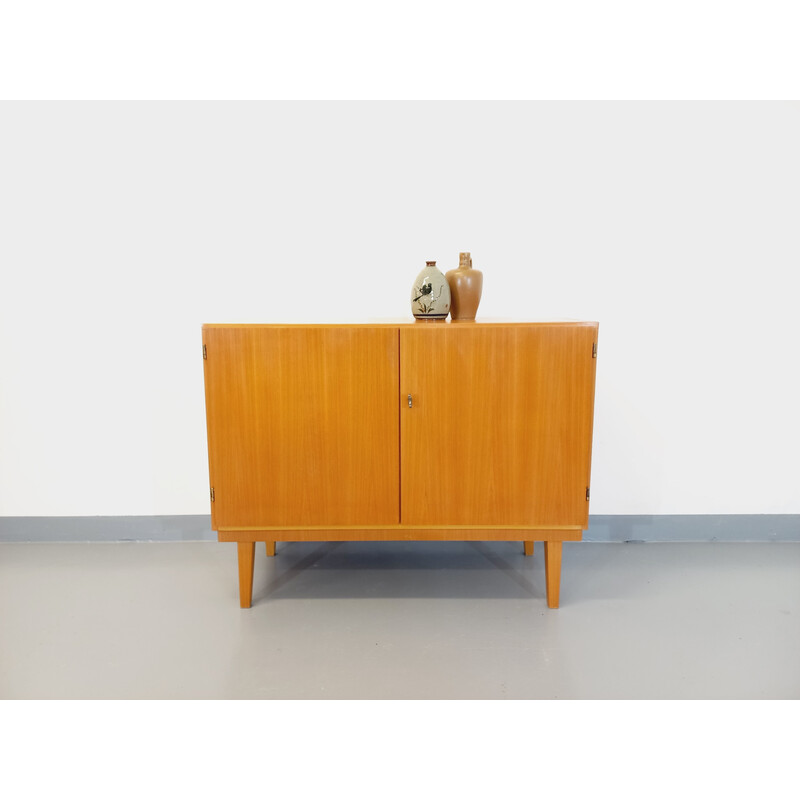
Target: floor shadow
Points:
(509, 569)
(344, 570)
(296, 569)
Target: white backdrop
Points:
(125, 226)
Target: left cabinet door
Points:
(302, 425)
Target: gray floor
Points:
(400, 620)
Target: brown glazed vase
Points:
(466, 285)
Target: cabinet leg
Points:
(247, 551)
(270, 548)
(552, 571)
(528, 548)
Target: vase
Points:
(430, 295)
(466, 286)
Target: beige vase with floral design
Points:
(430, 295)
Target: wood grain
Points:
(552, 572)
(500, 426)
(399, 533)
(246, 552)
(302, 425)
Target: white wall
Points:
(124, 227)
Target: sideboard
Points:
(417, 431)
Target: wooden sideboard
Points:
(418, 431)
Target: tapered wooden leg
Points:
(552, 571)
(247, 551)
(270, 548)
(528, 548)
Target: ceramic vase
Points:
(466, 286)
(430, 295)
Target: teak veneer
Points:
(448, 431)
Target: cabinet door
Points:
(302, 425)
(499, 429)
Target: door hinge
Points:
(594, 349)
(212, 494)
(587, 492)
(205, 352)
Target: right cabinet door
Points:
(496, 424)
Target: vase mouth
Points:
(430, 263)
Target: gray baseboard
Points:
(602, 528)
(177, 528)
(693, 528)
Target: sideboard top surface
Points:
(404, 322)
